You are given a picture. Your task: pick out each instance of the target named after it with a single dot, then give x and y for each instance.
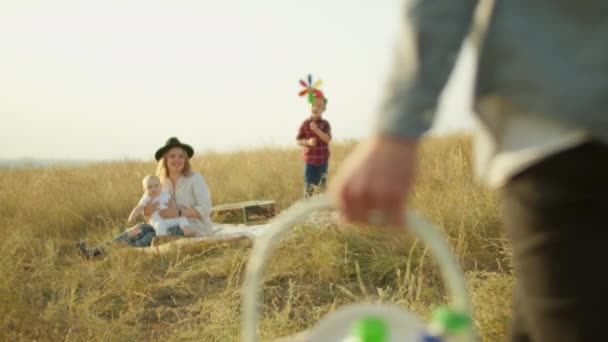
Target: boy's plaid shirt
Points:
(319, 154)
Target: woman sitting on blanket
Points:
(187, 188)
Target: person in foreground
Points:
(541, 95)
(188, 189)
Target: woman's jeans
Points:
(556, 214)
(315, 176)
(145, 236)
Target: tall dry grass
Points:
(49, 293)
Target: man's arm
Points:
(373, 183)
(431, 38)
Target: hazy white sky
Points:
(114, 79)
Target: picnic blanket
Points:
(224, 234)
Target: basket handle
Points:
(427, 232)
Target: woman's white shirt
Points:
(192, 192)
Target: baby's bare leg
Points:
(189, 231)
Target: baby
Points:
(154, 193)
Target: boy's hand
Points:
(312, 142)
(314, 127)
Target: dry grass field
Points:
(49, 293)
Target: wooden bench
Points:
(246, 210)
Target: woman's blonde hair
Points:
(161, 169)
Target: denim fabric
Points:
(142, 239)
(175, 231)
(314, 176)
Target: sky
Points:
(114, 79)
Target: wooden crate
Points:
(244, 211)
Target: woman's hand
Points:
(174, 212)
(170, 212)
(190, 212)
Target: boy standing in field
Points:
(314, 136)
